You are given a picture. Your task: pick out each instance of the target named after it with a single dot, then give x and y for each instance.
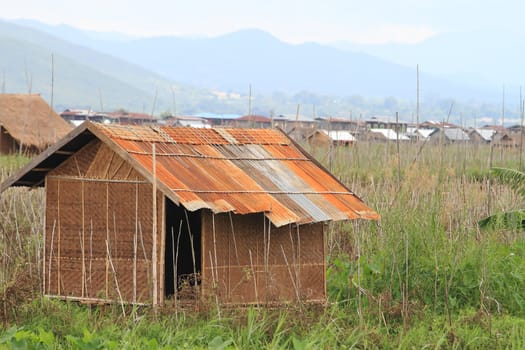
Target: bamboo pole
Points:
(296, 123)
(254, 276)
(135, 238)
(398, 154)
(417, 103)
(107, 240)
(154, 232)
(215, 285)
(58, 238)
(291, 275)
(175, 268)
(50, 257)
(190, 235)
(175, 258)
(521, 130)
(42, 259)
(162, 260)
(144, 249)
(214, 245)
(116, 280)
(298, 263)
(45, 240)
(82, 239)
(90, 254)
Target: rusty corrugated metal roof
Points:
(240, 170)
(225, 170)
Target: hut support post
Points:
(82, 242)
(162, 276)
(43, 259)
(107, 240)
(90, 254)
(154, 232)
(58, 239)
(135, 235)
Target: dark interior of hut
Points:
(183, 251)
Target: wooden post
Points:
(162, 274)
(154, 233)
(296, 123)
(45, 234)
(107, 240)
(84, 285)
(58, 238)
(135, 243)
(398, 154)
(417, 103)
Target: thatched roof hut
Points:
(28, 124)
(139, 213)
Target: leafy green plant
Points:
(514, 219)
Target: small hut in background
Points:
(138, 213)
(450, 136)
(385, 135)
(323, 138)
(28, 124)
(481, 136)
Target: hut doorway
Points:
(182, 262)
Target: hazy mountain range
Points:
(111, 70)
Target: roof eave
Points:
(15, 179)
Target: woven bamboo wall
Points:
(252, 263)
(99, 229)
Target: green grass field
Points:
(425, 276)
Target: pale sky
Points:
(294, 21)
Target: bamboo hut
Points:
(28, 124)
(136, 213)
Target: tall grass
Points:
(424, 276)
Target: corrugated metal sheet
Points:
(240, 170)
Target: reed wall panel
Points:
(92, 224)
(255, 262)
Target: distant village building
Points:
(419, 134)
(324, 138)
(449, 136)
(433, 124)
(386, 123)
(253, 121)
(481, 135)
(299, 122)
(385, 135)
(190, 121)
(78, 116)
(332, 123)
(280, 121)
(503, 139)
(222, 120)
(28, 124)
(132, 118)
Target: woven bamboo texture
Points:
(247, 261)
(99, 229)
